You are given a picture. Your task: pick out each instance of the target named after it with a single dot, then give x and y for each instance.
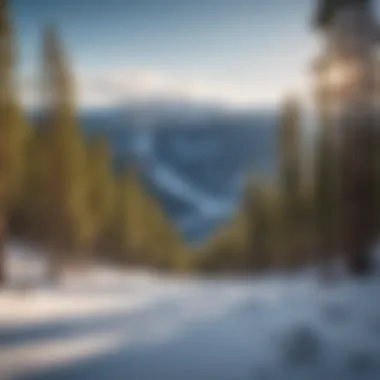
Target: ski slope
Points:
(113, 324)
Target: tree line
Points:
(61, 191)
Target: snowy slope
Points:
(191, 158)
(109, 324)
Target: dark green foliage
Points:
(260, 229)
(358, 195)
(327, 200)
(13, 132)
(327, 10)
(291, 157)
(100, 191)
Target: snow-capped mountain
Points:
(193, 158)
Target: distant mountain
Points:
(192, 158)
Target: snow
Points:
(112, 324)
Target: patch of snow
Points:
(25, 359)
(142, 325)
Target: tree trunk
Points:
(358, 190)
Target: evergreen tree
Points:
(100, 184)
(13, 132)
(327, 174)
(117, 240)
(221, 252)
(290, 173)
(34, 205)
(139, 232)
(249, 212)
(166, 248)
(128, 225)
(261, 229)
(355, 44)
(66, 216)
(251, 241)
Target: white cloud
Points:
(126, 85)
(102, 88)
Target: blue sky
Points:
(242, 51)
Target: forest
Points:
(61, 192)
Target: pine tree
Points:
(354, 31)
(13, 132)
(326, 198)
(165, 249)
(289, 141)
(66, 220)
(249, 211)
(100, 184)
(34, 205)
(223, 252)
(261, 229)
(231, 247)
(127, 231)
(327, 176)
(140, 233)
(117, 240)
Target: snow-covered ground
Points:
(109, 324)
